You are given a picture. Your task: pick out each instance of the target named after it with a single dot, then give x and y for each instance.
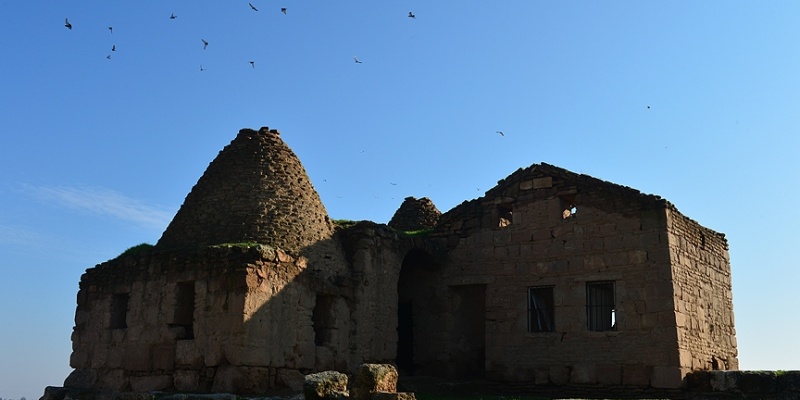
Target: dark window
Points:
(568, 207)
(541, 309)
(184, 310)
(119, 311)
(504, 215)
(323, 319)
(600, 308)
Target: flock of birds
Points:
(172, 16)
(283, 10)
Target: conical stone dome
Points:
(415, 214)
(255, 190)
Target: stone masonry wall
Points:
(231, 347)
(544, 226)
(703, 295)
(143, 352)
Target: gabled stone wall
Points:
(544, 226)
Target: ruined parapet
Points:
(415, 214)
(255, 190)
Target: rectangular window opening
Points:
(601, 313)
(323, 319)
(184, 310)
(504, 215)
(568, 205)
(541, 309)
(119, 311)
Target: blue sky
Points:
(694, 101)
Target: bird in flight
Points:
(411, 15)
(173, 16)
(67, 24)
(356, 59)
(500, 132)
(252, 6)
(113, 47)
(201, 68)
(111, 29)
(205, 44)
(253, 64)
(283, 10)
(108, 56)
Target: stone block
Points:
(541, 183)
(584, 374)
(324, 359)
(761, 382)
(559, 375)
(54, 393)
(290, 378)
(81, 378)
(666, 378)
(164, 357)
(698, 381)
(541, 376)
(186, 353)
(79, 359)
(325, 385)
(113, 379)
(635, 375)
(137, 357)
(186, 380)
(226, 379)
(150, 383)
(393, 396)
(637, 257)
(371, 378)
(609, 374)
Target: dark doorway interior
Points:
(415, 319)
(405, 338)
(470, 331)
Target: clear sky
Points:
(698, 102)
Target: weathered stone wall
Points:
(143, 353)
(703, 295)
(544, 226)
(250, 327)
(378, 256)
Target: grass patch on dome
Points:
(138, 249)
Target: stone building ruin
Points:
(550, 278)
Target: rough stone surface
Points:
(372, 378)
(255, 190)
(291, 379)
(392, 396)
(415, 214)
(325, 385)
